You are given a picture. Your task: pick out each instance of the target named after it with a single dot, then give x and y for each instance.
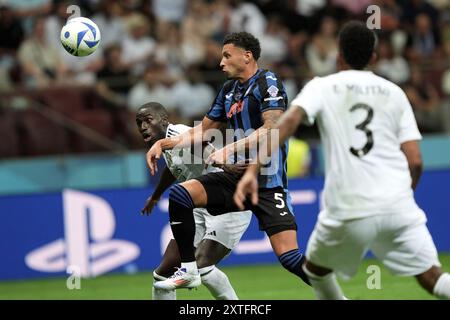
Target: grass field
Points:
(266, 282)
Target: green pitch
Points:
(267, 282)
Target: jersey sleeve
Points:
(407, 125)
(271, 92)
(176, 129)
(217, 110)
(310, 99)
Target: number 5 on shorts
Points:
(279, 197)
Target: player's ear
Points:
(247, 57)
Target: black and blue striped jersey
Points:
(241, 106)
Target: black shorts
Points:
(274, 211)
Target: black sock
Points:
(292, 261)
(182, 222)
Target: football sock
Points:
(182, 223)
(292, 261)
(326, 287)
(160, 294)
(191, 267)
(217, 283)
(442, 287)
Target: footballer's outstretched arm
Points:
(286, 126)
(165, 181)
(185, 139)
(411, 150)
(270, 118)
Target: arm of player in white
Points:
(196, 134)
(165, 181)
(412, 152)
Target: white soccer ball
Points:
(80, 36)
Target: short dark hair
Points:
(155, 108)
(357, 43)
(246, 41)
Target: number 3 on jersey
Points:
(363, 127)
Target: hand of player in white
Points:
(153, 156)
(149, 205)
(248, 185)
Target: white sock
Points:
(191, 267)
(442, 287)
(217, 283)
(160, 294)
(325, 288)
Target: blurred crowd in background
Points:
(169, 51)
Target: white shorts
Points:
(226, 229)
(401, 241)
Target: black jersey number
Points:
(363, 127)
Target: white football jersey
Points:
(182, 163)
(362, 119)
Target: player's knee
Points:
(203, 260)
(179, 195)
(292, 261)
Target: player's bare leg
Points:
(435, 282)
(323, 281)
(208, 254)
(285, 246)
(170, 259)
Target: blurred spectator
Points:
(138, 47)
(169, 10)
(153, 87)
(412, 8)
(425, 101)
(55, 21)
(389, 65)
(356, 8)
(199, 19)
(9, 25)
(28, 9)
(193, 97)
(246, 16)
(10, 29)
(167, 51)
(288, 77)
(109, 22)
(440, 4)
(309, 7)
(40, 62)
(423, 40)
(390, 14)
(293, 20)
(114, 78)
(274, 42)
(210, 65)
(322, 51)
